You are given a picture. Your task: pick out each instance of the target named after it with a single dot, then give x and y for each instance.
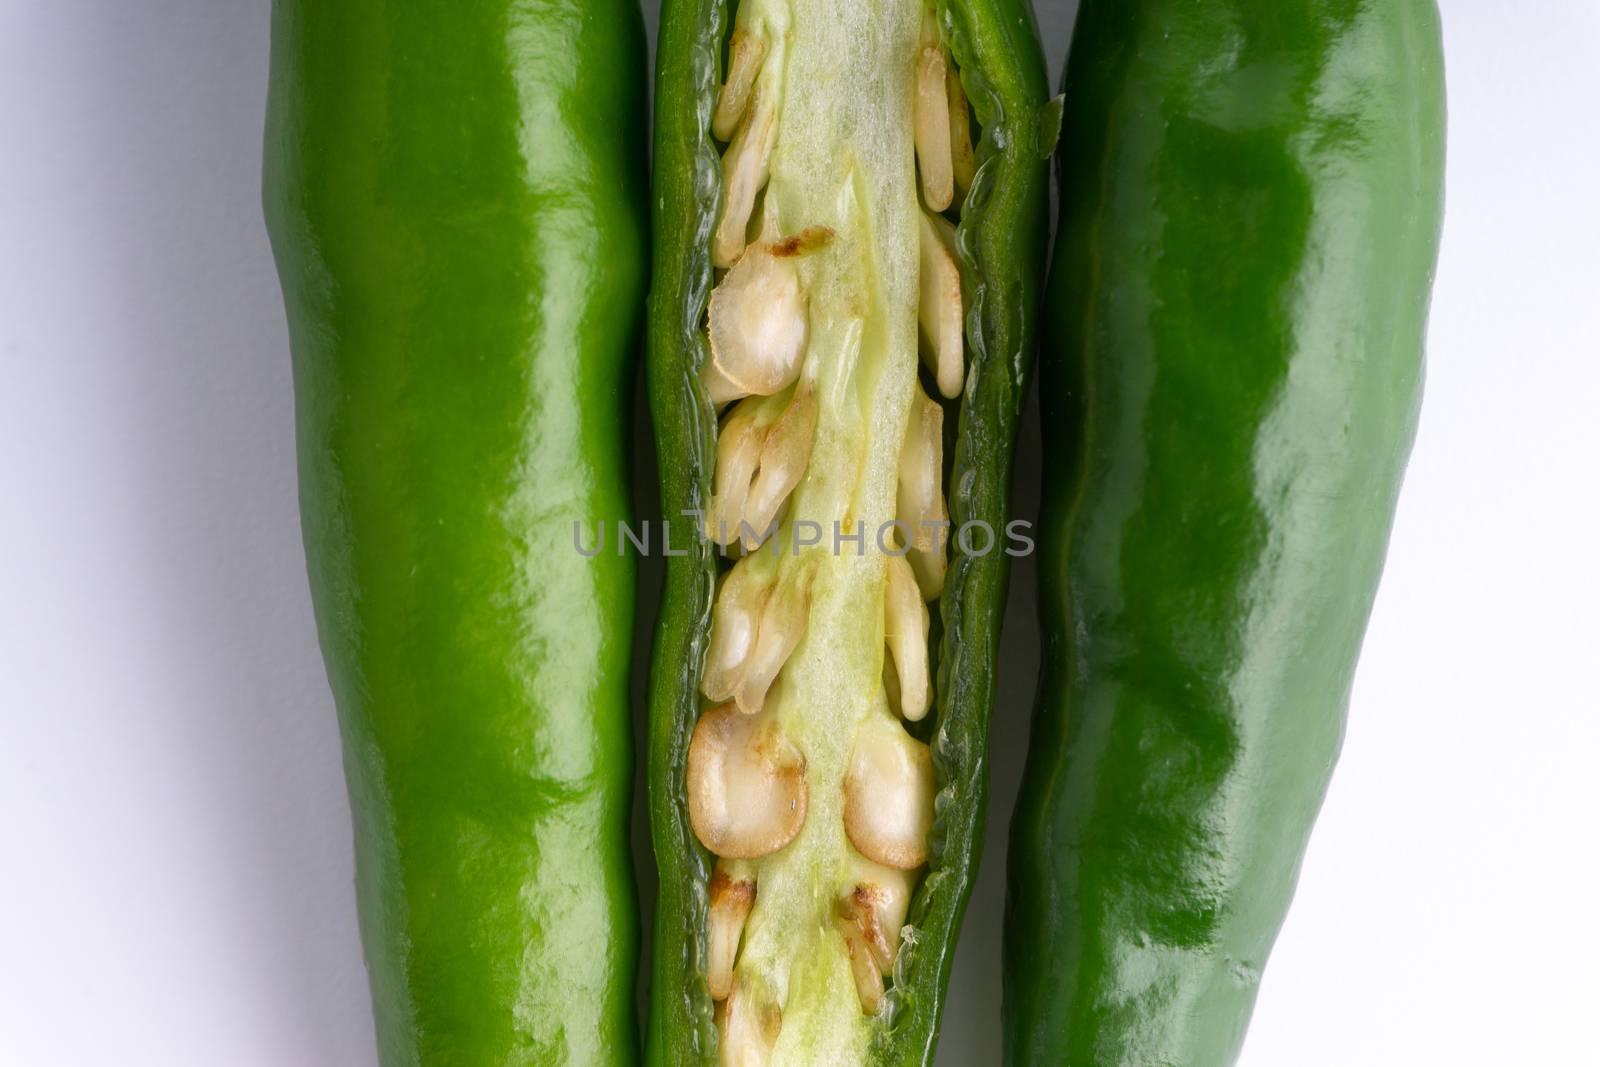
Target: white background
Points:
(175, 859)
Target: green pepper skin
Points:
(456, 197)
(1250, 207)
(1002, 243)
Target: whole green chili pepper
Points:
(1250, 209)
(880, 193)
(456, 198)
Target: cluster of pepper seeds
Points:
(747, 782)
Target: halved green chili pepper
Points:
(1250, 209)
(456, 195)
(880, 191)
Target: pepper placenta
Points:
(1250, 208)
(849, 216)
(456, 198)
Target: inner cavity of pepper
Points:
(835, 333)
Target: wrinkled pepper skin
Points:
(1004, 231)
(1250, 207)
(456, 198)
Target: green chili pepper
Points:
(456, 196)
(838, 187)
(1250, 208)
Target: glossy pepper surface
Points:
(841, 209)
(455, 194)
(1250, 208)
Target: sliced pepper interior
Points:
(835, 338)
